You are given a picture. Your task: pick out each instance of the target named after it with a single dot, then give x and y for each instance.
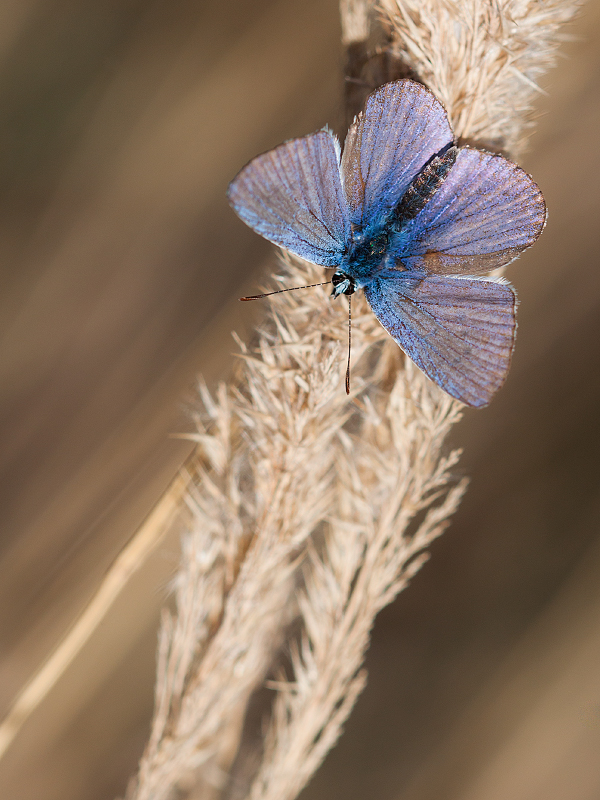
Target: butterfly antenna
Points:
(279, 291)
(349, 342)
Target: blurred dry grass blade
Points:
(282, 454)
(145, 540)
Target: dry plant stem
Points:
(282, 453)
(129, 560)
(354, 16)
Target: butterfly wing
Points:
(293, 196)
(459, 331)
(402, 127)
(483, 215)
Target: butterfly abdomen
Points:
(423, 187)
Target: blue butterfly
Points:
(414, 221)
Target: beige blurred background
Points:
(121, 123)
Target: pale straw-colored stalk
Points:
(307, 506)
(145, 541)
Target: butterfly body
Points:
(414, 221)
(380, 250)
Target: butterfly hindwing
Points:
(483, 215)
(402, 127)
(293, 196)
(459, 331)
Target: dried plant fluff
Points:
(482, 58)
(306, 505)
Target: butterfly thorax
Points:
(367, 258)
(363, 260)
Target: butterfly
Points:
(415, 222)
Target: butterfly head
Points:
(342, 284)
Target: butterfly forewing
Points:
(459, 331)
(293, 196)
(484, 214)
(402, 127)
